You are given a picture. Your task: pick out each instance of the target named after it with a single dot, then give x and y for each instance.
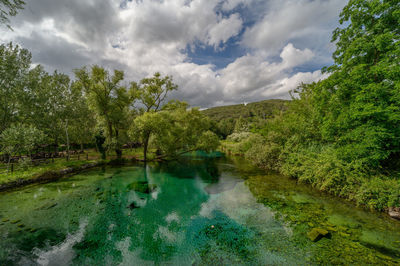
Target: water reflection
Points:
(194, 211)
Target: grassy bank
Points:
(320, 168)
(22, 173)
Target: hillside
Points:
(262, 109)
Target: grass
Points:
(32, 172)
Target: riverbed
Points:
(200, 210)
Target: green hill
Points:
(226, 118)
(262, 109)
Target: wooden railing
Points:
(15, 161)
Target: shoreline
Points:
(49, 176)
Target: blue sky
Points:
(218, 51)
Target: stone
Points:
(317, 233)
(394, 212)
(142, 187)
(133, 206)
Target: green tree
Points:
(151, 94)
(110, 101)
(359, 103)
(176, 130)
(14, 66)
(20, 138)
(9, 8)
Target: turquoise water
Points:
(198, 211)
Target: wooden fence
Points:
(15, 163)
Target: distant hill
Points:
(263, 109)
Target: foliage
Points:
(14, 66)
(227, 119)
(9, 8)
(110, 101)
(20, 138)
(151, 94)
(175, 130)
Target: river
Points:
(201, 210)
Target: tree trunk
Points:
(81, 147)
(145, 145)
(66, 133)
(118, 149)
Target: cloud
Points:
(269, 41)
(286, 21)
(224, 30)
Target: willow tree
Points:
(175, 130)
(151, 94)
(110, 101)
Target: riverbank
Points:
(60, 167)
(48, 173)
(358, 186)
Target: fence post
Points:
(87, 156)
(78, 156)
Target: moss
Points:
(317, 233)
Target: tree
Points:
(14, 67)
(151, 94)
(20, 138)
(175, 130)
(358, 105)
(109, 100)
(9, 8)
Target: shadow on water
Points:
(198, 210)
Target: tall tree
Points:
(151, 94)
(359, 103)
(110, 101)
(175, 130)
(14, 66)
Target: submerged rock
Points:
(47, 206)
(317, 233)
(394, 212)
(142, 187)
(133, 206)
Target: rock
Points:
(142, 187)
(394, 212)
(15, 221)
(133, 206)
(47, 206)
(317, 233)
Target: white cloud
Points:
(224, 30)
(148, 36)
(287, 20)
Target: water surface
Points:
(199, 211)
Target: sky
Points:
(218, 52)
